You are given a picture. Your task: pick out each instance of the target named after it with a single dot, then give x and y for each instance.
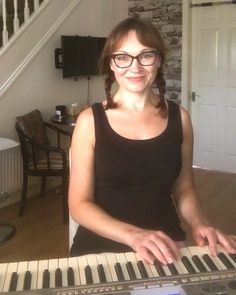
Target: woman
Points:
(131, 174)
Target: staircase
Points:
(26, 27)
(16, 13)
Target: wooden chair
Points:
(40, 158)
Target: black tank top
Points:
(134, 180)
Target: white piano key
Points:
(52, 266)
(82, 263)
(180, 267)
(42, 265)
(122, 260)
(130, 256)
(93, 263)
(3, 272)
(185, 252)
(33, 268)
(111, 258)
(12, 267)
(63, 265)
(101, 258)
(194, 250)
(21, 270)
(73, 262)
(166, 270)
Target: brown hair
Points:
(149, 36)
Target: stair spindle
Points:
(16, 19)
(26, 11)
(36, 5)
(4, 16)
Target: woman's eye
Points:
(147, 55)
(121, 57)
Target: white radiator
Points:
(11, 166)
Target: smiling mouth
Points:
(134, 79)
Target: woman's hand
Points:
(151, 245)
(204, 234)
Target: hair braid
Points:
(161, 84)
(109, 80)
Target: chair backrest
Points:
(31, 126)
(73, 225)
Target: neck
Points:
(135, 101)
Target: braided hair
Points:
(149, 36)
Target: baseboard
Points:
(32, 191)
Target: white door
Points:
(214, 83)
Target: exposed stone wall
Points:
(167, 16)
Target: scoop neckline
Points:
(157, 137)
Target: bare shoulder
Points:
(85, 125)
(185, 117)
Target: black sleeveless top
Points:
(134, 181)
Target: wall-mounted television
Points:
(78, 55)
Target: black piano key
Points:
(58, 278)
(131, 271)
(209, 262)
(27, 280)
(233, 256)
(159, 268)
(142, 269)
(13, 281)
(119, 272)
(70, 276)
(188, 265)
(173, 269)
(88, 275)
(101, 274)
(46, 279)
(225, 260)
(197, 261)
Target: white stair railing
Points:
(15, 22)
(16, 18)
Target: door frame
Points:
(186, 50)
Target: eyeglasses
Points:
(123, 60)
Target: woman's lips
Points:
(135, 79)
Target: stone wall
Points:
(167, 16)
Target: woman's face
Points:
(136, 78)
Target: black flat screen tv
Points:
(80, 55)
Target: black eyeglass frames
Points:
(124, 60)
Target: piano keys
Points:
(115, 270)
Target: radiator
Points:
(11, 166)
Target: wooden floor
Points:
(40, 234)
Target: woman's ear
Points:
(158, 63)
(112, 65)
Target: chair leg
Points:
(65, 199)
(23, 194)
(43, 186)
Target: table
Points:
(66, 120)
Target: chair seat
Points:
(56, 163)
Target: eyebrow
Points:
(142, 51)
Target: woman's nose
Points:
(135, 66)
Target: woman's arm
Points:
(187, 199)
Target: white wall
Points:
(41, 85)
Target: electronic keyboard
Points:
(197, 272)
